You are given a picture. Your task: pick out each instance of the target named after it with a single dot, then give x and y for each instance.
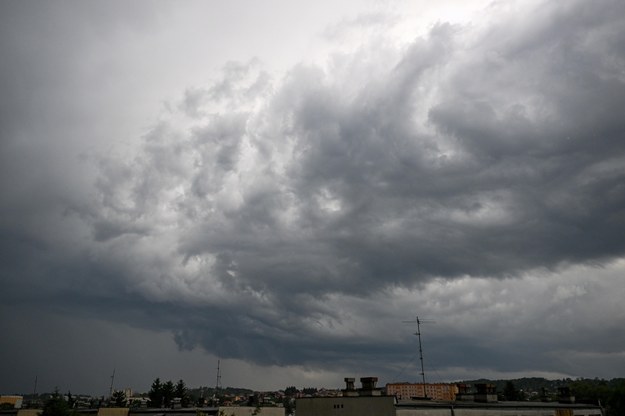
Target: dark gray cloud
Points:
(294, 221)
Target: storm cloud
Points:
(475, 173)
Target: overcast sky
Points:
(279, 185)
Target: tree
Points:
(616, 400)
(56, 406)
(510, 392)
(290, 391)
(181, 392)
(71, 402)
(610, 394)
(156, 393)
(168, 393)
(289, 405)
(119, 398)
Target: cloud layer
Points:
(475, 173)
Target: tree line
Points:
(163, 394)
(610, 394)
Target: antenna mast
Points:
(418, 334)
(112, 380)
(218, 383)
(421, 355)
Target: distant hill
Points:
(210, 391)
(527, 384)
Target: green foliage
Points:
(616, 401)
(290, 391)
(610, 394)
(119, 398)
(71, 402)
(211, 391)
(56, 406)
(509, 392)
(163, 394)
(156, 394)
(181, 391)
(253, 400)
(168, 393)
(289, 405)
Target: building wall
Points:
(494, 411)
(16, 401)
(249, 411)
(113, 411)
(424, 412)
(29, 412)
(345, 406)
(435, 391)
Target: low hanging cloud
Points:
(259, 214)
(479, 152)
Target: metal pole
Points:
(421, 356)
(218, 375)
(112, 380)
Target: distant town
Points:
(530, 396)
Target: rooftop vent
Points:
(349, 390)
(369, 387)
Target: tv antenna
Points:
(218, 382)
(112, 380)
(418, 334)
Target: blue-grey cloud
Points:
(266, 219)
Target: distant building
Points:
(366, 401)
(15, 401)
(434, 391)
(204, 411)
(369, 401)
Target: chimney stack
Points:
(350, 390)
(369, 387)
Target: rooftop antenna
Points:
(418, 334)
(112, 380)
(218, 383)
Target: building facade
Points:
(370, 401)
(15, 401)
(433, 391)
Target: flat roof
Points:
(481, 405)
